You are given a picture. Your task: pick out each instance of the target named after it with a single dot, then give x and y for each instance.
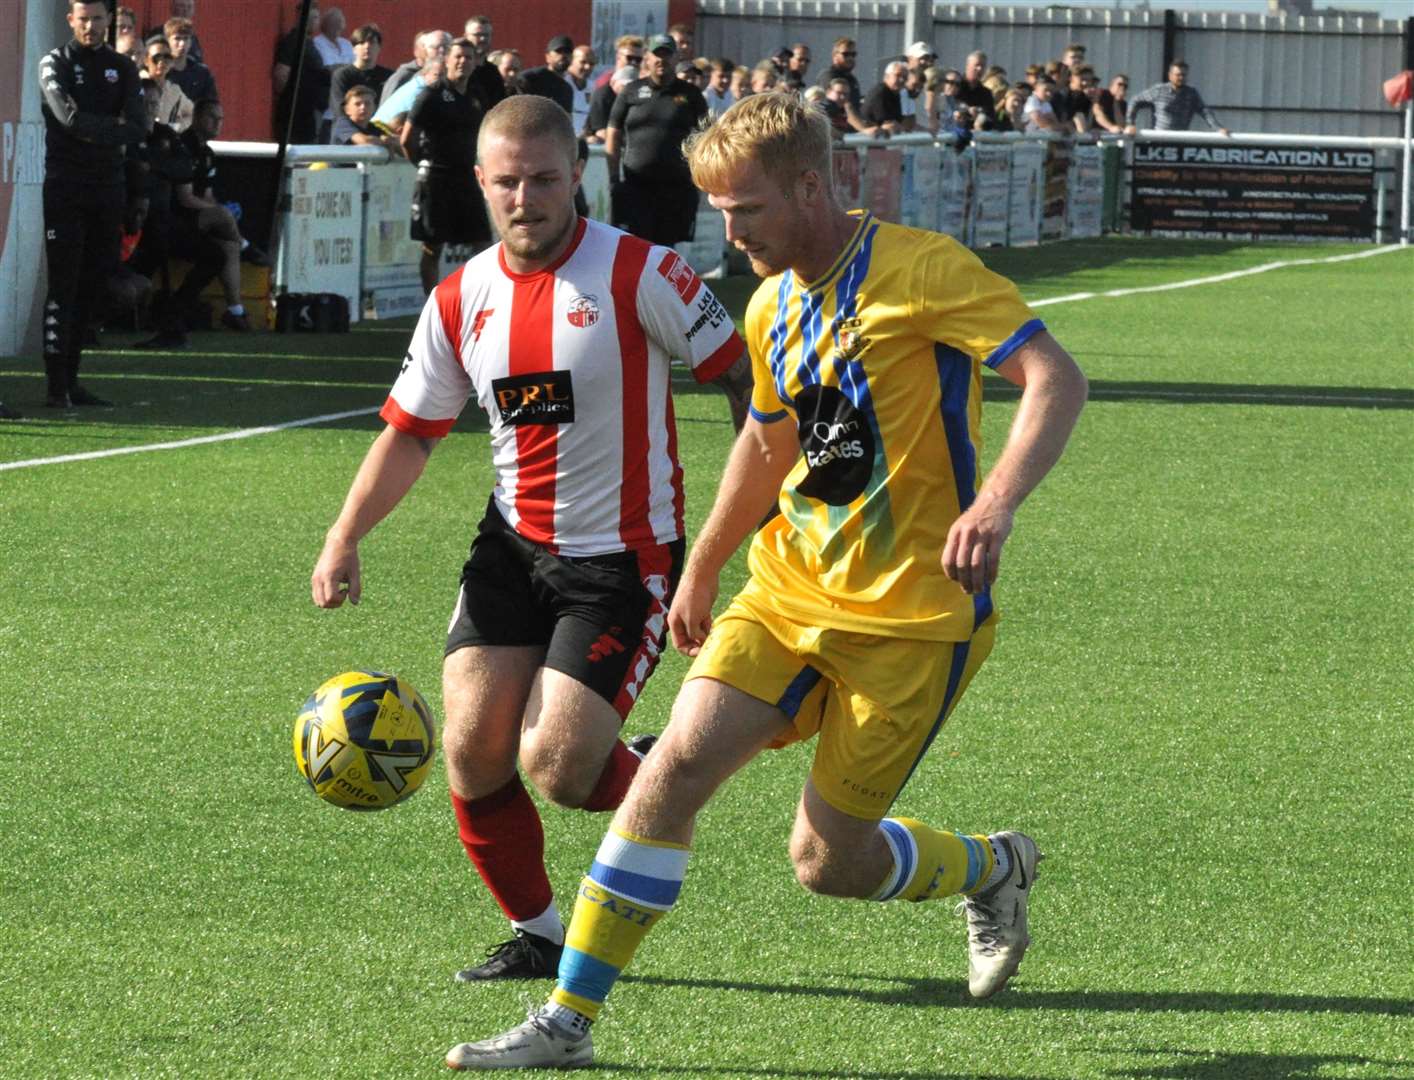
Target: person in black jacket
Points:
(549, 79)
(656, 198)
(93, 111)
(440, 138)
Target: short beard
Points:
(529, 250)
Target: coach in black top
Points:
(549, 80)
(440, 135)
(655, 198)
(93, 111)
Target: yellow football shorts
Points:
(876, 702)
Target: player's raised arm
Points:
(1053, 391)
(760, 459)
(391, 467)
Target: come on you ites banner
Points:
(321, 249)
(1240, 191)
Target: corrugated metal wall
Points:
(1317, 75)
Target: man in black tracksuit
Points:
(650, 119)
(93, 111)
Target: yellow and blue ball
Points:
(364, 740)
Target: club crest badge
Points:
(583, 311)
(111, 74)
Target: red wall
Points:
(239, 38)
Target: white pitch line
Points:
(246, 433)
(1215, 278)
(179, 444)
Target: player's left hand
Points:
(973, 553)
(690, 616)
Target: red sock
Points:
(503, 836)
(613, 782)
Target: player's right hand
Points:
(690, 616)
(336, 575)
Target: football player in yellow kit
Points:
(868, 609)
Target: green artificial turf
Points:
(1200, 704)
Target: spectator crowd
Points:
(330, 85)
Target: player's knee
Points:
(820, 871)
(564, 783)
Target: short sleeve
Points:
(620, 109)
(955, 300)
(432, 388)
(684, 316)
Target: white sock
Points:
(567, 1023)
(1001, 867)
(236, 309)
(547, 925)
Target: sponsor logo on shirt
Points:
(541, 397)
(680, 276)
(111, 74)
(583, 311)
(478, 322)
(838, 445)
(710, 313)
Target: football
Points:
(364, 740)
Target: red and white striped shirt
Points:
(571, 366)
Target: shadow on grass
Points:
(900, 990)
(1201, 1065)
(807, 1074)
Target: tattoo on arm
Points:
(736, 382)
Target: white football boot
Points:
(535, 1044)
(996, 919)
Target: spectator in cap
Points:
(655, 198)
(920, 55)
(549, 80)
(689, 73)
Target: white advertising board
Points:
(954, 192)
(1028, 161)
(1086, 191)
(919, 202)
(321, 250)
(991, 192)
(391, 284)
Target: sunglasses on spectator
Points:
(1121, 84)
(946, 81)
(634, 59)
(161, 57)
(849, 54)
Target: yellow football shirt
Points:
(878, 363)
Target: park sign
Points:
(1236, 190)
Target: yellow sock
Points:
(629, 888)
(929, 863)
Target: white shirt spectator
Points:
(333, 53)
(719, 103)
(1035, 105)
(580, 113)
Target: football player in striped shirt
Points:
(563, 334)
(869, 608)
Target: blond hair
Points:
(529, 116)
(785, 137)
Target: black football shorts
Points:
(602, 619)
